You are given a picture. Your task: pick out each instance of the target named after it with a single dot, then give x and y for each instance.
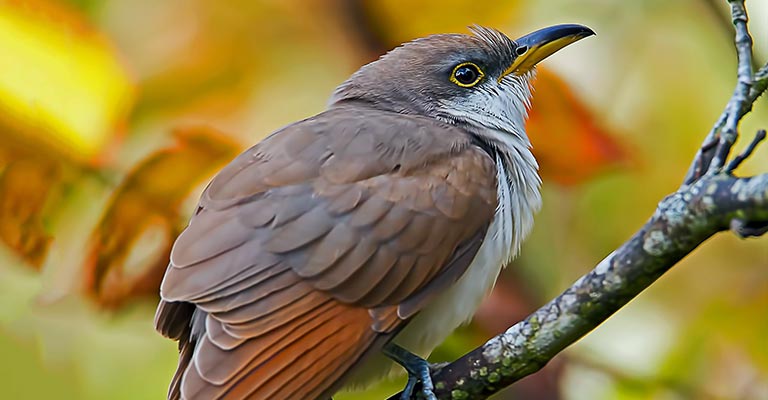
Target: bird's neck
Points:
(518, 184)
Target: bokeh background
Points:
(115, 113)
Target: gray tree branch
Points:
(710, 200)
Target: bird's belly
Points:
(457, 305)
(447, 310)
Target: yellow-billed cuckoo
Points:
(373, 227)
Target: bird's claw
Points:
(418, 371)
(408, 390)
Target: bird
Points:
(348, 245)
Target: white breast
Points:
(456, 305)
(518, 201)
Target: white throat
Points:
(518, 188)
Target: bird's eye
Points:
(467, 74)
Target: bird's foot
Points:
(418, 371)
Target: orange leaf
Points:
(129, 248)
(568, 141)
(25, 186)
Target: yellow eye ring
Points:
(466, 74)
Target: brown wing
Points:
(316, 242)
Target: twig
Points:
(748, 89)
(722, 17)
(736, 162)
(705, 204)
(704, 156)
(741, 93)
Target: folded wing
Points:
(315, 246)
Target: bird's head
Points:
(480, 80)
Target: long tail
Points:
(306, 357)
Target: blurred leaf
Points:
(568, 141)
(64, 86)
(723, 347)
(25, 186)
(407, 20)
(130, 247)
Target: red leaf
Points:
(568, 141)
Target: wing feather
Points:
(317, 243)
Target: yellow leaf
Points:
(61, 82)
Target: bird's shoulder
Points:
(344, 144)
(347, 193)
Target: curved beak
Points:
(536, 46)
